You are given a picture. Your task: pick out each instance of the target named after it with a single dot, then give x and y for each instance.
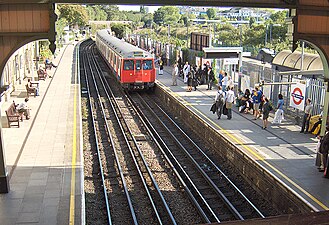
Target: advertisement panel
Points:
(297, 96)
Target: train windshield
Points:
(138, 65)
(147, 64)
(128, 65)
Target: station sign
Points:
(297, 96)
(231, 61)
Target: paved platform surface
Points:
(45, 180)
(288, 154)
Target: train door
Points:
(138, 72)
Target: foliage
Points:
(45, 53)
(96, 13)
(211, 13)
(147, 19)
(119, 29)
(60, 24)
(166, 15)
(74, 14)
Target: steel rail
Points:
(114, 106)
(181, 168)
(156, 186)
(230, 206)
(154, 135)
(212, 163)
(131, 208)
(97, 143)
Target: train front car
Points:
(133, 67)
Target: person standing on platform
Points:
(161, 67)
(224, 82)
(266, 111)
(180, 62)
(307, 116)
(230, 96)
(220, 77)
(256, 99)
(194, 77)
(278, 116)
(186, 70)
(211, 78)
(174, 74)
(219, 100)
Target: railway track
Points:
(144, 152)
(219, 198)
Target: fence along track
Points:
(253, 211)
(128, 137)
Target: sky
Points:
(136, 8)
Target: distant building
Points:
(230, 14)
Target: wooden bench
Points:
(42, 75)
(48, 66)
(30, 90)
(12, 115)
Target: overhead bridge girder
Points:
(23, 23)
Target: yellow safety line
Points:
(74, 154)
(258, 157)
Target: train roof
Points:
(123, 48)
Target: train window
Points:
(147, 65)
(128, 65)
(138, 64)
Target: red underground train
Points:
(133, 67)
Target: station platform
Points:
(44, 156)
(285, 152)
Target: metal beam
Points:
(242, 3)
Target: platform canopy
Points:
(222, 52)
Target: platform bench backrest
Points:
(12, 115)
(29, 90)
(42, 75)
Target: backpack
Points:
(221, 97)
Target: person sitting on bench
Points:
(36, 89)
(48, 64)
(23, 108)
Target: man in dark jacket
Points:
(211, 78)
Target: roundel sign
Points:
(298, 96)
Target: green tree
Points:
(252, 21)
(74, 14)
(119, 29)
(113, 13)
(147, 19)
(211, 13)
(166, 15)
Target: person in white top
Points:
(186, 70)
(174, 74)
(230, 96)
(23, 108)
(219, 100)
(224, 82)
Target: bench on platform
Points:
(12, 115)
(48, 66)
(30, 90)
(42, 74)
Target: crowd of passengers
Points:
(250, 101)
